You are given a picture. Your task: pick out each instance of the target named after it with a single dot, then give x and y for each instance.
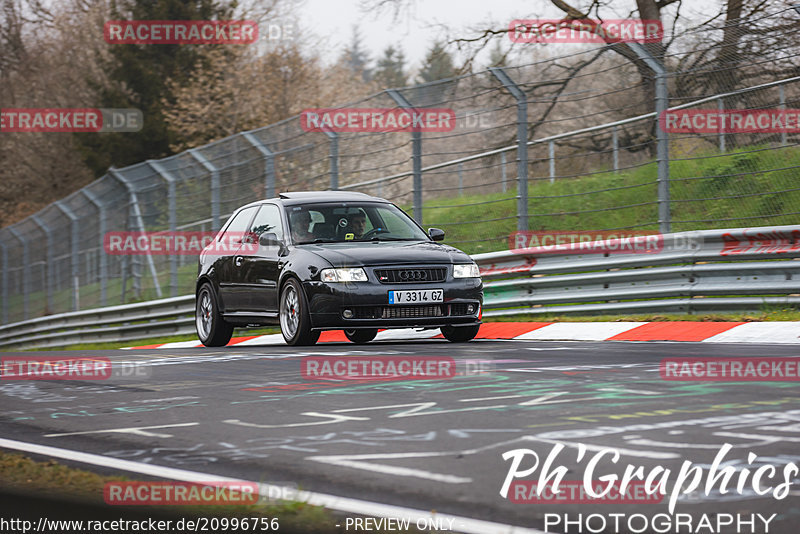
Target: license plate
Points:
(416, 296)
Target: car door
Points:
(260, 266)
(231, 291)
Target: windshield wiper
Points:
(376, 238)
(317, 240)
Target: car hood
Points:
(387, 253)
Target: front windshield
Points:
(334, 223)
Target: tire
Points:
(212, 330)
(362, 335)
(294, 316)
(460, 334)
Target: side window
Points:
(268, 220)
(238, 226)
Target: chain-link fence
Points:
(570, 142)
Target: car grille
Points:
(412, 275)
(410, 312)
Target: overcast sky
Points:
(418, 27)
(331, 21)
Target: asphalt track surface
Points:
(247, 413)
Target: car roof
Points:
(308, 197)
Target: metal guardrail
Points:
(710, 270)
(162, 317)
(703, 271)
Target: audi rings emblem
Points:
(413, 275)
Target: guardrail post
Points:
(4, 282)
(721, 134)
(416, 155)
(522, 145)
(334, 157)
(173, 222)
(26, 282)
(49, 267)
(75, 258)
(615, 145)
(215, 222)
(662, 137)
(269, 163)
(101, 209)
(782, 105)
(137, 220)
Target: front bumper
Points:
(369, 302)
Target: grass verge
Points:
(81, 489)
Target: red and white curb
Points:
(722, 332)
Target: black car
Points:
(314, 261)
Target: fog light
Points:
(348, 314)
(470, 308)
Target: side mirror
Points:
(436, 234)
(269, 239)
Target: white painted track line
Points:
(332, 502)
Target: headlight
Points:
(466, 270)
(343, 275)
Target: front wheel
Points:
(362, 335)
(212, 330)
(295, 319)
(460, 334)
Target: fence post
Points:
(75, 259)
(269, 163)
(460, 179)
(4, 282)
(782, 105)
(721, 134)
(137, 220)
(26, 281)
(215, 222)
(522, 145)
(101, 209)
(615, 145)
(173, 221)
(551, 154)
(416, 155)
(334, 157)
(49, 267)
(662, 137)
(503, 170)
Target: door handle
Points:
(237, 261)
